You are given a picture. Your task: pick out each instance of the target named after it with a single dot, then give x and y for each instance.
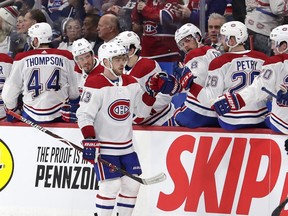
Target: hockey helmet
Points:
(236, 29)
(110, 50)
(128, 38)
(279, 34)
(41, 31)
(81, 46)
(187, 30)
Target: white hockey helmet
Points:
(110, 50)
(279, 34)
(41, 31)
(81, 46)
(236, 29)
(186, 30)
(128, 38)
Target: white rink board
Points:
(208, 173)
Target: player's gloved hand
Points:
(187, 78)
(282, 96)
(286, 145)
(91, 150)
(11, 118)
(183, 75)
(228, 102)
(178, 70)
(166, 84)
(68, 111)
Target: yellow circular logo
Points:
(6, 165)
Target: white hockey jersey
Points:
(232, 72)
(266, 16)
(275, 73)
(106, 111)
(198, 61)
(46, 78)
(5, 68)
(163, 109)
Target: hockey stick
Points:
(268, 92)
(145, 181)
(279, 208)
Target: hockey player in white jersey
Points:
(44, 75)
(5, 68)
(274, 78)
(141, 69)
(193, 113)
(87, 64)
(105, 117)
(231, 72)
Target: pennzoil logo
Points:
(6, 165)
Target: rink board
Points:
(209, 172)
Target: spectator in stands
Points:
(123, 17)
(191, 12)
(90, 7)
(159, 21)
(90, 32)
(75, 9)
(30, 18)
(8, 18)
(19, 37)
(28, 5)
(72, 31)
(108, 27)
(267, 15)
(20, 24)
(55, 10)
(215, 21)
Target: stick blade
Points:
(155, 179)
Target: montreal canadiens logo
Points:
(119, 110)
(150, 28)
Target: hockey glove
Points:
(11, 118)
(178, 70)
(282, 96)
(68, 111)
(187, 80)
(91, 150)
(286, 145)
(184, 76)
(166, 84)
(228, 102)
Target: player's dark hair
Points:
(132, 46)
